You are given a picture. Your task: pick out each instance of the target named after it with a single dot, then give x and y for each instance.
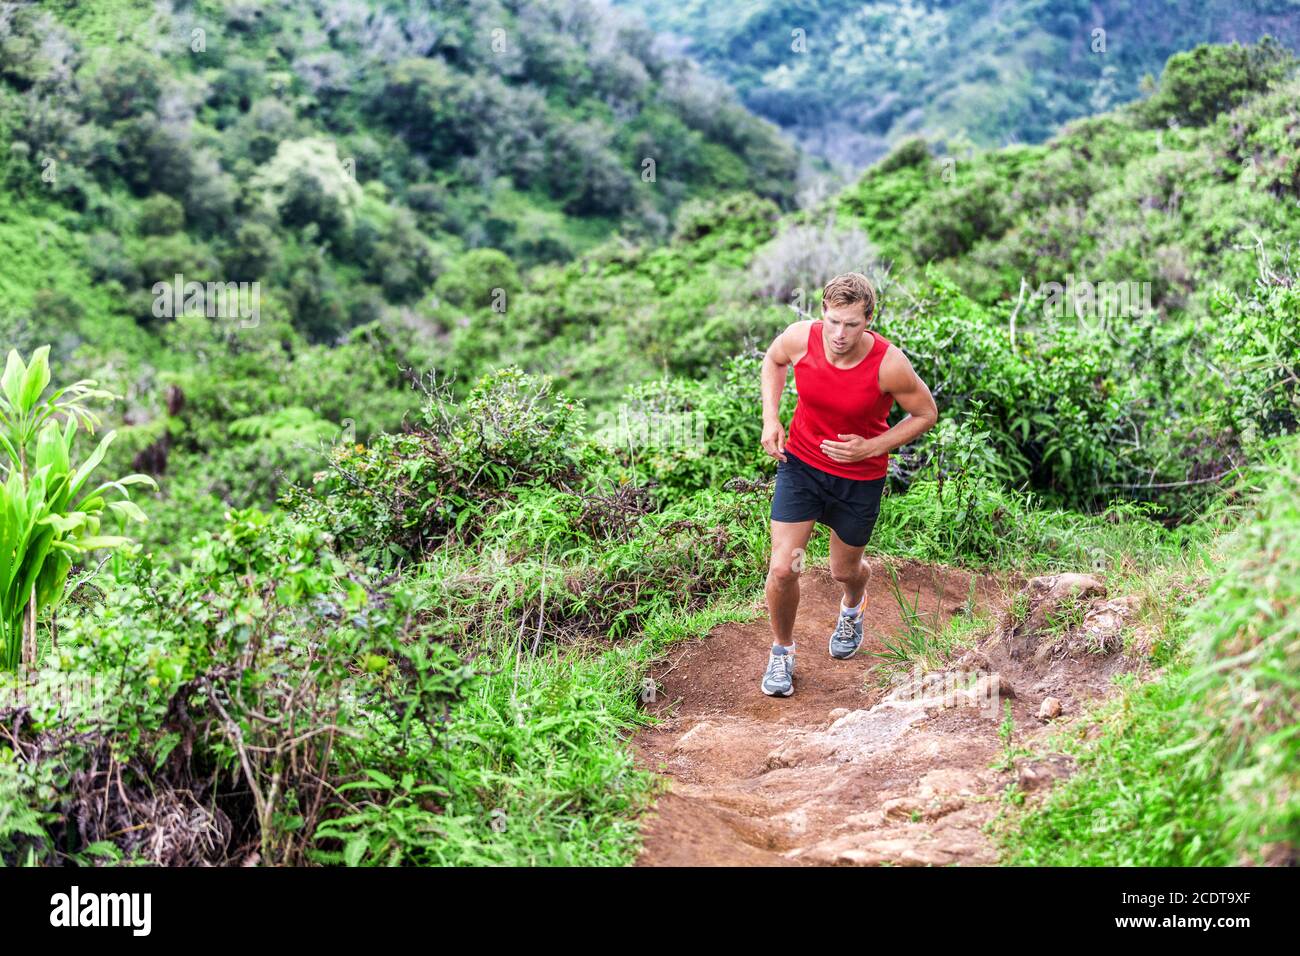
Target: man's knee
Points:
(849, 572)
(786, 566)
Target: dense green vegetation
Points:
(368, 165)
(1199, 768)
(344, 156)
(492, 443)
(849, 79)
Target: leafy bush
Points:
(471, 281)
(951, 219)
(230, 701)
(306, 182)
(405, 493)
(1257, 345)
(914, 151)
(1198, 85)
(161, 215)
(1048, 407)
(678, 436)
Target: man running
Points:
(832, 468)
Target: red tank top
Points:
(834, 401)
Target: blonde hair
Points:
(849, 288)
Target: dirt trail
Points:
(845, 773)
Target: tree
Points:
(472, 281)
(1199, 84)
(307, 182)
(161, 215)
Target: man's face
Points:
(845, 325)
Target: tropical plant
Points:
(47, 518)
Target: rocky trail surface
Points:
(849, 772)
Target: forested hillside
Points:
(848, 79)
(382, 572)
(346, 154)
(367, 165)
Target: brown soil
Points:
(844, 771)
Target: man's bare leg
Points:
(789, 542)
(848, 568)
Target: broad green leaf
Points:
(51, 450)
(11, 451)
(91, 463)
(37, 377)
(102, 541)
(64, 523)
(129, 509)
(53, 578)
(381, 778)
(119, 485)
(12, 381)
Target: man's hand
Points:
(774, 439)
(852, 448)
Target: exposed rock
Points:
(911, 808)
(1047, 597)
(901, 808)
(946, 782)
(1101, 632)
(697, 738)
(941, 849)
(974, 658)
(953, 688)
(1003, 686)
(1038, 774)
(1063, 618)
(922, 855)
(856, 736)
(1103, 626)
(1049, 708)
(1029, 778)
(1144, 640)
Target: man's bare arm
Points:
(776, 368)
(899, 378)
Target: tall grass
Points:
(994, 526)
(536, 759)
(1201, 767)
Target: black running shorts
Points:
(849, 506)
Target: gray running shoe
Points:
(847, 636)
(779, 679)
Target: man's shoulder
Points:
(893, 355)
(795, 337)
(895, 368)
